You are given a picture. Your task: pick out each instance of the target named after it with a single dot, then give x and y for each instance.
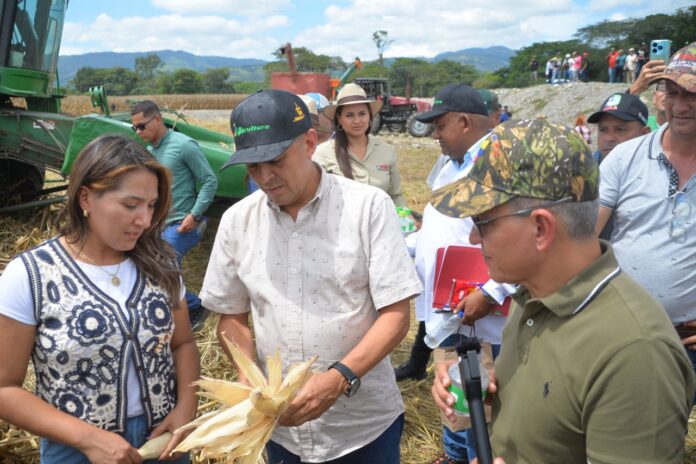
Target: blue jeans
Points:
(136, 434)
(612, 75)
(383, 450)
(182, 243)
(460, 445)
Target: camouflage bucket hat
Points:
(681, 69)
(533, 158)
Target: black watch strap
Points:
(351, 378)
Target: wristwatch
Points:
(351, 378)
(488, 298)
(197, 217)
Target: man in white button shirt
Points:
(461, 119)
(319, 262)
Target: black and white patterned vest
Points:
(84, 341)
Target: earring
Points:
(339, 127)
(85, 213)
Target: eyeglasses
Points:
(681, 210)
(142, 125)
(479, 223)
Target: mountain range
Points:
(241, 69)
(249, 69)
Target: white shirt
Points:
(314, 287)
(438, 231)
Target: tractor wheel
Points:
(18, 181)
(417, 128)
(376, 124)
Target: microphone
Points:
(470, 375)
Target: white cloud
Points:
(603, 5)
(426, 28)
(235, 7)
(202, 35)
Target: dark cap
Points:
(534, 159)
(624, 106)
(457, 98)
(265, 124)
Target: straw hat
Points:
(352, 94)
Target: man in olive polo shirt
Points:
(591, 369)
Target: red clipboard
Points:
(457, 267)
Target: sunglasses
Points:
(142, 125)
(681, 210)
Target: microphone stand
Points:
(470, 375)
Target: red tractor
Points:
(396, 111)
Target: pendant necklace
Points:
(115, 281)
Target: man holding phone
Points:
(649, 184)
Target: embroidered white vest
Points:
(84, 341)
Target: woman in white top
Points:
(100, 309)
(353, 153)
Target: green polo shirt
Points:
(593, 373)
(188, 165)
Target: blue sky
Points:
(254, 28)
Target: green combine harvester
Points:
(35, 136)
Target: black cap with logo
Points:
(265, 124)
(624, 106)
(457, 98)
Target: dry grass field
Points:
(421, 440)
(79, 104)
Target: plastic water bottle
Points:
(449, 324)
(408, 225)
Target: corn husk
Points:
(239, 430)
(153, 448)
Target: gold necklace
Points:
(115, 281)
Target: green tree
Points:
(186, 81)
(606, 33)
(248, 87)
(85, 78)
(370, 69)
(305, 61)
(382, 41)
(145, 68)
(215, 80)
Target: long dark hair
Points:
(341, 143)
(101, 166)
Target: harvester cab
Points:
(35, 136)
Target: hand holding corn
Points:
(240, 429)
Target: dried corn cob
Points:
(240, 429)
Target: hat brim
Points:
(595, 117)
(375, 107)
(257, 154)
(430, 116)
(683, 80)
(466, 198)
